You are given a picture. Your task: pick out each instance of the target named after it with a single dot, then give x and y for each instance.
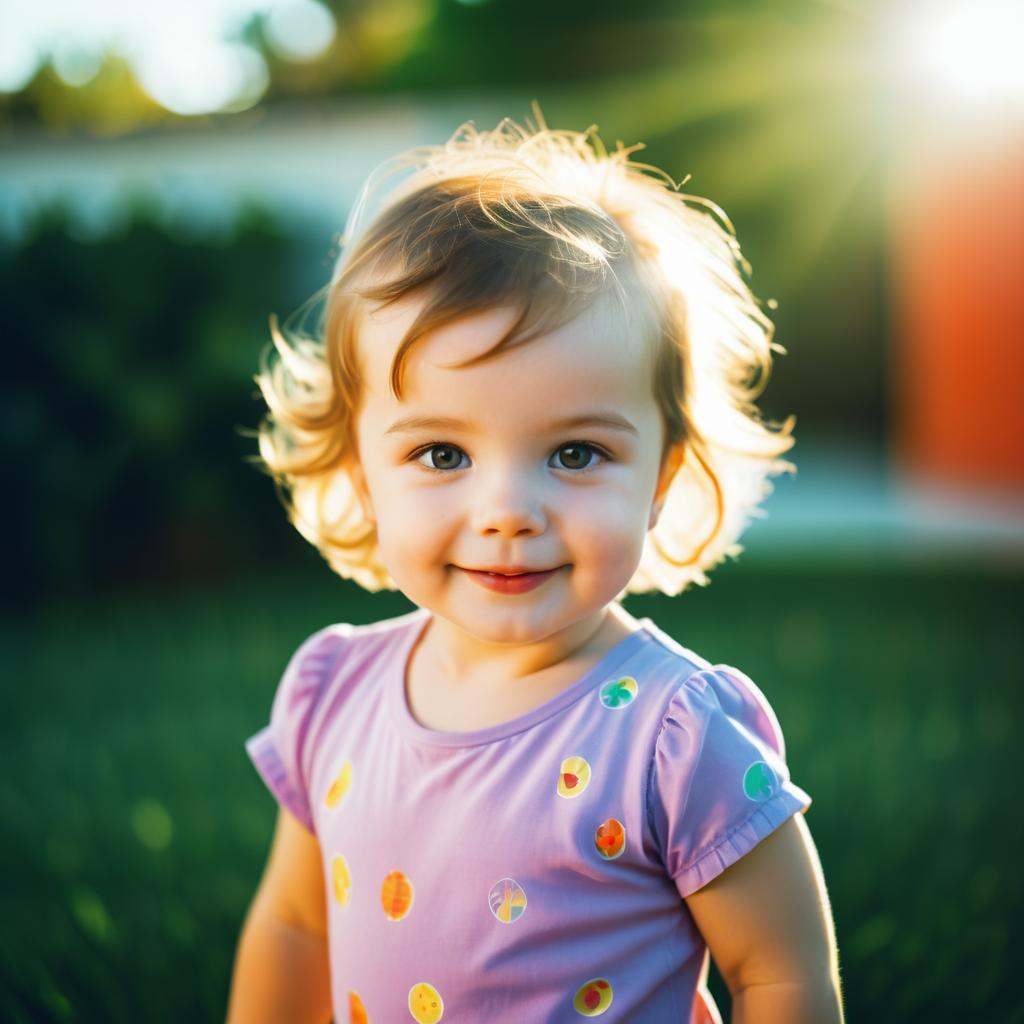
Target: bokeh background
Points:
(173, 173)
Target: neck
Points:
(467, 661)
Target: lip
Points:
(507, 570)
(508, 583)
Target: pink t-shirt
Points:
(531, 871)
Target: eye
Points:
(580, 455)
(443, 457)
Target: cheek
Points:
(411, 525)
(608, 529)
(605, 544)
(421, 509)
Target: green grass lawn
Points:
(135, 828)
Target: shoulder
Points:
(695, 690)
(718, 782)
(338, 651)
(683, 660)
(347, 639)
(726, 692)
(318, 650)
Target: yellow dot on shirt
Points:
(340, 878)
(573, 777)
(425, 1004)
(593, 997)
(339, 787)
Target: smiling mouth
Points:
(509, 583)
(509, 575)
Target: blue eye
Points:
(444, 458)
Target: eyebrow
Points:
(601, 419)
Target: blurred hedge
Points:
(129, 378)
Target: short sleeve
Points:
(281, 750)
(719, 782)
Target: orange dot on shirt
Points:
(356, 1010)
(396, 895)
(610, 838)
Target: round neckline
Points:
(415, 730)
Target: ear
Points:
(674, 458)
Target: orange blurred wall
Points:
(957, 384)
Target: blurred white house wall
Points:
(306, 160)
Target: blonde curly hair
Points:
(547, 222)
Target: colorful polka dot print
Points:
(340, 786)
(341, 880)
(356, 1010)
(593, 997)
(610, 839)
(573, 777)
(507, 900)
(759, 782)
(446, 824)
(396, 895)
(619, 693)
(425, 1003)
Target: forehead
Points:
(594, 359)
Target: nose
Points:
(507, 502)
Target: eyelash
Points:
(422, 450)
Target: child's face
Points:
(508, 487)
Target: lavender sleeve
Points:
(718, 782)
(280, 751)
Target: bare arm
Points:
(281, 973)
(768, 924)
(787, 1003)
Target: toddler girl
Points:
(531, 394)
